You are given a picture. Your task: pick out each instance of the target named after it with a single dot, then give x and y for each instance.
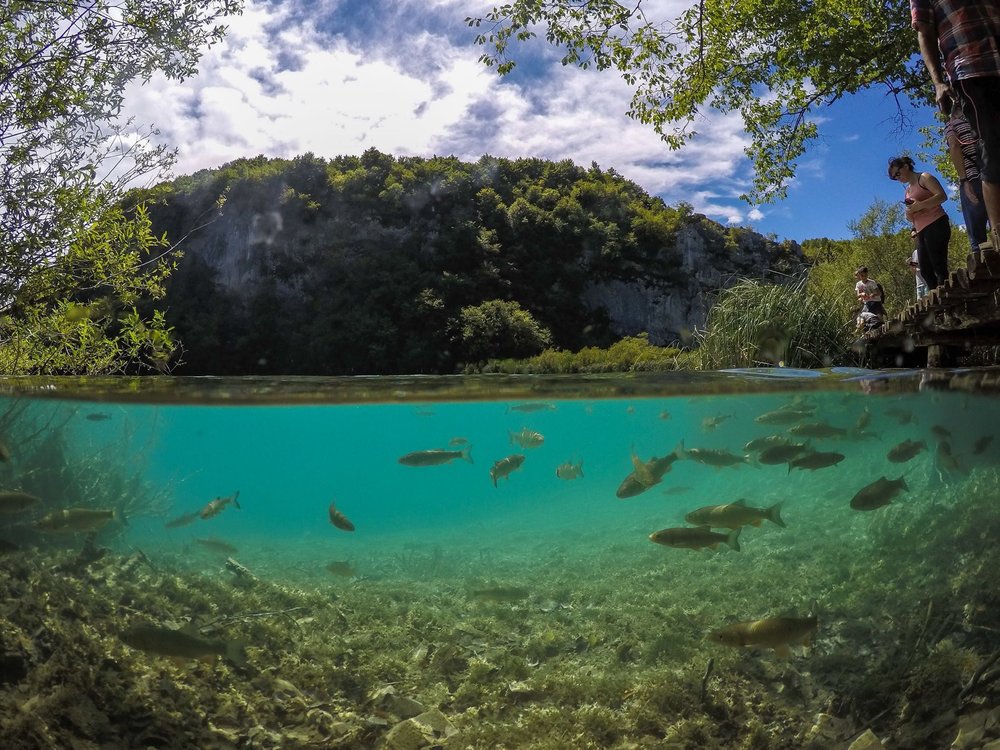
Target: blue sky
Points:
(339, 76)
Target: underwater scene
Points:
(747, 560)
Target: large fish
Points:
(505, 467)
(878, 493)
(734, 515)
(813, 460)
(14, 501)
(182, 644)
(74, 521)
(649, 473)
(696, 538)
(906, 450)
(436, 457)
(781, 454)
(715, 457)
(778, 633)
(215, 507)
(817, 430)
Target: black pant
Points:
(932, 252)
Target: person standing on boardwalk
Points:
(914, 265)
(869, 293)
(960, 45)
(923, 198)
(963, 148)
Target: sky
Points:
(336, 77)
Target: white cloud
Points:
(280, 85)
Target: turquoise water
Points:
(601, 600)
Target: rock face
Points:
(671, 313)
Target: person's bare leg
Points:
(991, 197)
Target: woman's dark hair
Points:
(900, 161)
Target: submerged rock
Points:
(429, 729)
(867, 741)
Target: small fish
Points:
(906, 450)
(217, 545)
(783, 416)
(215, 507)
(436, 457)
(342, 568)
(734, 515)
(4, 452)
(778, 633)
(507, 594)
(696, 538)
(14, 501)
(648, 474)
(708, 424)
(569, 470)
(526, 438)
(878, 493)
(982, 444)
(664, 414)
(761, 443)
(457, 441)
(781, 454)
(817, 430)
(864, 419)
(505, 467)
(97, 416)
(715, 457)
(339, 520)
(74, 521)
(945, 461)
(941, 432)
(185, 520)
(813, 460)
(531, 407)
(182, 644)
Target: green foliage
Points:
(754, 324)
(726, 55)
(500, 328)
(65, 157)
(630, 354)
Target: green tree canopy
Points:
(65, 157)
(774, 61)
(497, 328)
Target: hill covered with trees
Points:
(376, 264)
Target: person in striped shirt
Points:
(963, 147)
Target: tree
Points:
(774, 61)
(65, 159)
(500, 329)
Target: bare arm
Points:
(927, 38)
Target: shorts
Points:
(981, 105)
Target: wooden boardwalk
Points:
(962, 313)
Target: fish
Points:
(734, 515)
(945, 461)
(905, 451)
(4, 452)
(778, 633)
(526, 438)
(457, 441)
(215, 507)
(941, 432)
(813, 460)
(878, 493)
(715, 457)
(864, 419)
(339, 520)
(650, 474)
(532, 406)
(508, 594)
(342, 568)
(696, 538)
(710, 423)
(97, 416)
(783, 416)
(15, 501)
(217, 545)
(184, 643)
(817, 430)
(436, 457)
(982, 444)
(781, 454)
(185, 520)
(761, 443)
(664, 414)
(569, 470)
(505, 467)
(74, 521)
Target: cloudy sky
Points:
(339, 76)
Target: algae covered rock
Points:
(867, 741)
(427, 730)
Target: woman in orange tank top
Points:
(924, 196)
